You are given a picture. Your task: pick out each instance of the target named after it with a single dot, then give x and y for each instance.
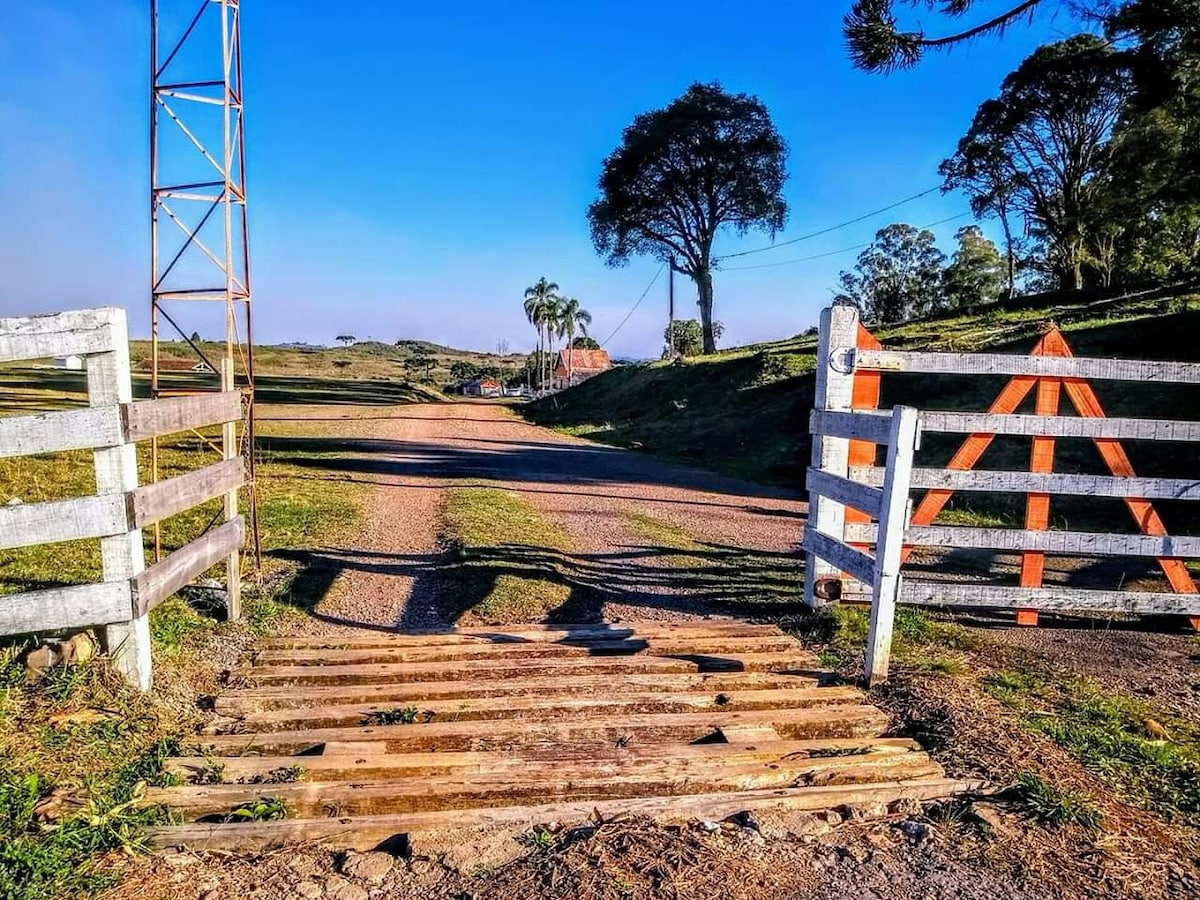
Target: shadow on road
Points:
(717, 578)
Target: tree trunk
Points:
(704, 290)
(1012, 256)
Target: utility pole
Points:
(671, 308)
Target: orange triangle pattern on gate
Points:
(1037, 508)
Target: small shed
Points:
(72, 362)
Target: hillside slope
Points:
(745, 411)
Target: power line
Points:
(814, 234)
(635, 306)
(791, 262)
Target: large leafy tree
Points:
(898, 277)
(708, 160)
(976, 273)
(541, 306)
(1048, 136)
(685, 337)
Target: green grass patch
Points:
(1113, 735)
(78, 750)
(1053, 806)
(509, 558)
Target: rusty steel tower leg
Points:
(200, 250)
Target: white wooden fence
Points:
(110, 426)
(840, 483)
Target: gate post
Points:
(893, 522)
(834, 391)
(109, 382)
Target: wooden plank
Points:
(1057, 543)
(540, 782)
(449, 652)
(368, 832)
(902, 447)
(370, 763)
(109, 383)
(64, 608)
(1037, 366)
(872, 426)
(1050, 599)
(834, 390)
(230, 450)
(52, 432)
(569, 633)
(837, 554)
(77, 332)
(472, 669)
(530, 707)
(164, 578)
(154, 418)
(237, 702)
(155, 502)
(1061, 426)
(27, 524)
(844, 491)
(1049, 483)
(506, 734)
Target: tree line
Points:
(1087, 157)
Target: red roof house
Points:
(576, 365)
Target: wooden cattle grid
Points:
(530, 726)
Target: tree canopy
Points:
(1042, 145)
(976, 272)
(686, 337)
(898, 277)
(708, 160)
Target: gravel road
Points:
(390, 573)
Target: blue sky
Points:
(413, 167)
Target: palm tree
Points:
(571, 317)
(540, 301)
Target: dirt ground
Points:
(392, 574)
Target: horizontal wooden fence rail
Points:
(1062, 543)
(1038, 366)
(1061, 426)
(1042, 482)
(1048, 599)
(110, 426)
(74, 333)
(164, 578)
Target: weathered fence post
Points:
(893, 521)
(229, 447)
(109, 383)
(834, 390)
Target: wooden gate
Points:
(850, 366)
(110, 427)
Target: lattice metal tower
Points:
(200, 251)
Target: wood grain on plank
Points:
(825, 721)
(367, 832)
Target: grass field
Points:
(745, 411)
(366, 360)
